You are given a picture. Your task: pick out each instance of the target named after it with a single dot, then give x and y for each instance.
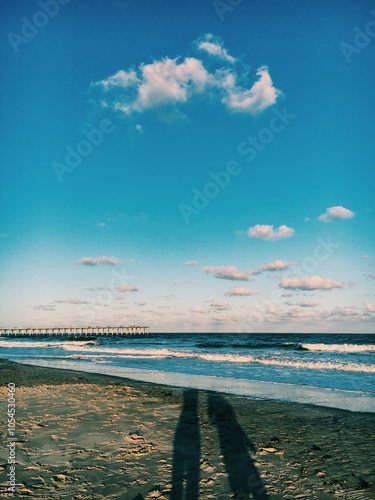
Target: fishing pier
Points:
(74, 331)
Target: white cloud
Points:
(303, 303)
(126, 288)
(97, 261)
(277, 265)
(310, 283)
(169, 82)
(218, 306)
(198, 310)
(265, 232)
(101, 224)
(43, 307)
(214, 47)
(227, 273)
(191, 263)
(240, 291)
(254, 100)
(71, 301)
(370, 308)
(333, 214)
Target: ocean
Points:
(335, 370)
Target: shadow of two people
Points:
(243, 477)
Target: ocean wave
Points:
(118, 352)
(343, 348)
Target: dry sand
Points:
(84, 436)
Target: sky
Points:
(192, 166)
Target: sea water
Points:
(326, 369)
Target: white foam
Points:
(339, 347)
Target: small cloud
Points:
(139, 128)
(140, 303)
(307, 219)
(303, 303)
(219, 306)
(227, 273)
(370, 308)
(333, 214)
(365, 257)
(240, 291)
(198, 310)
(126, 288)
(101, 224)
(71, 301)
(370, 276)
(277, 265)
(132, 261)
(213, 45)
(98, 261)
(191, 263)
(265, 232)
(43, 307)
(310, 283)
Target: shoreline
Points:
(349, 400)
(83, 434)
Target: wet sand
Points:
(86, 436)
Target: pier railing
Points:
(74, 331)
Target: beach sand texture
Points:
(85, 436)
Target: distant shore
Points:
(86, 436)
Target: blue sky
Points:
(228, 184)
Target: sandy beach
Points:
(85, 436)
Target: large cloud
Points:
(175, 81)
(333, 214)
(310, 283)
(227, 273)
(277, 265)
(265, 232)
(240, 291)
(97, 261)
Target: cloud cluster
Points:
(240, 291)
(265, 232)
(171, 82)
(310, 283)
(333, 214)
(277, 265)
(98, 261)
(227, 273)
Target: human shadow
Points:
(244, 479)
(187, 450)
